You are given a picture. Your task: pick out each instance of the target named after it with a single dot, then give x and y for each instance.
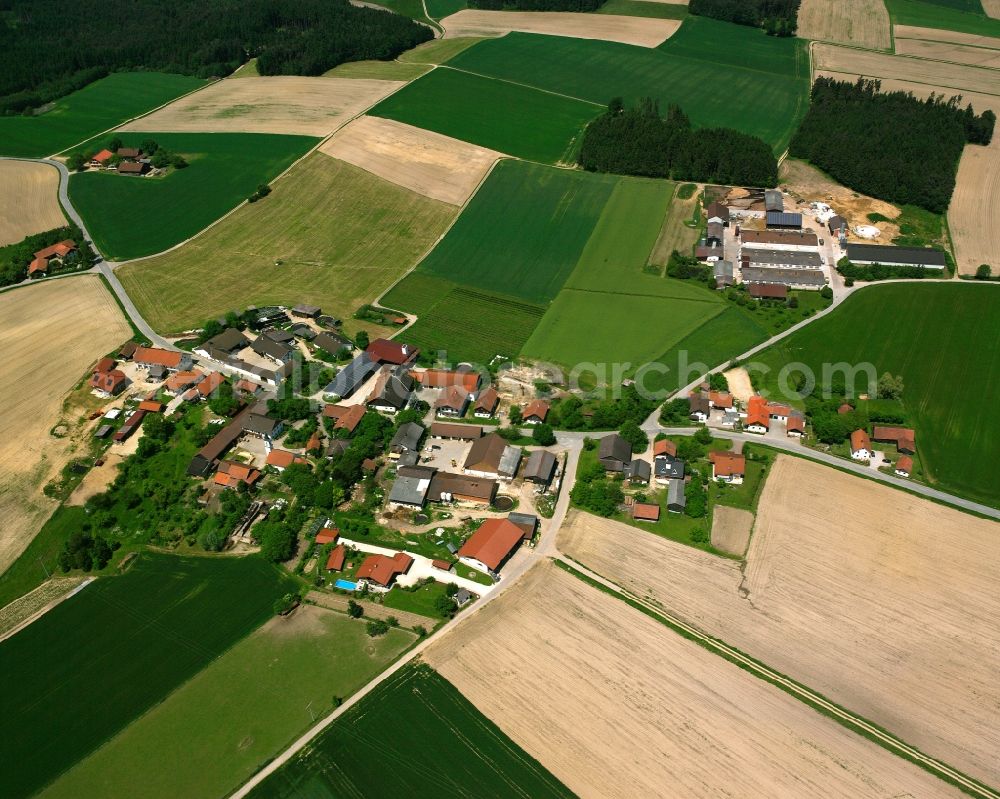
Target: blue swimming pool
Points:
(346, 585)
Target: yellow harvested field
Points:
(884, 602)
(50, 333)
(941, 35)
(862, 23)
(992, 8)
(428, 163)
(956, 78)
(29, 200)
(731, 529)
(641, 31)
(950, 51)
(284, 104)
(615, 704)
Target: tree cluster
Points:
(853, 132)
(883, 271)
(638, 141)
(776, 17)
(15, 258)
(84, 41)
(537, 5)
(86, 552)
(595, 491)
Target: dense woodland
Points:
(890, 145)
(638, 141)
(537, 5)
(49, 48)
(776, 17)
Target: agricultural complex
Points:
(525, 399)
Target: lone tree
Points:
(983, 272)
(890, 386)
(543, 435)
(354, 610)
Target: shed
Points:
(780, 220)
(773, 201)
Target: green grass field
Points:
(942, 340)
(523, 232)
(759, 84)
(414, 735)
(99, 660)
(217, 729)
(517, 120)
(420, 601)
(103, 104)
(341, 234)
(965, 16)
(439, 9)
(134, 216)
(642, 8)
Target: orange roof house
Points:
(860, 443)
(335, 562)
(282, 459)
(211, 382)
(102, 157)
(904, 466)
(384, 351)
(151, 406)
(39, 266)
(349, 418)
(720, 399)
(231, 474)
(487, 403)
(327, 535)
(645, 512)
(59, 250)
(727, 466)
(179, 381)
(492, 544)
(535, 411)
(664, 447)
(445, 378)
(109, 382)
(383, 570)
(154, 356)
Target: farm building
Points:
(491, 546)
(406, 439)
(306, 311)
(720, 399)
(345, 417)
(329, 342)
(727, 467)
(220, 347)
(756, 256)
(392, 390)
(717, 212)
(281, 459)
(903, 437)
(645, 512)
(714, 234)
(133, 168)
(335, 562)
(458, 432)
(231, 474)
(486, 404)
(861, 446)
(303, 331)
(381, 571)
(267, 347)
(787, 278)
(780, 220)
(492, 456)
(261, 426)
(394, 353)
(130, 426)
(170, 360)
(614, 453)
(723, 273)
(351, 377)
(638, 472)
(450, 487)
(327, 535)
(927, 257)
(446, 378)
(541, 467)
(768, 291)
(411, 487)
(709, 253)
(526, 522)
(782, 239)
(837, 226)
(676, 499)
(773, 201)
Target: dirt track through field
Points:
(614, 704)
(883, 602)
(436, 166)
(29, 201)
(863, 23)
(284, 104)
(641, 31)
(49, 334)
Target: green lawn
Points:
(760, 84)
(420, 601)
(960, 15)
(414, 735)
(517, 120)
(217, 729)
(942, 339)
(134, 216)
(98, 661)
(103, 104)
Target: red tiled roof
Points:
(382, 569)
(904, 437)
(104, 365)
(211, 382)
(282, 459)
(231, 474)
(181, 380)
(539, 408)
(154, 355)
(109, 382)
(768, 291)
(721, 399)
(492, 543)
(444, 565)
(443, 378)
(664, 447)
(38, 265)
(102, 156)
(335, 562)
(727, 464)
(59, 249)
(904, 464)
(845, 408)
(247, 386)
(314, 442)
(860, 441)
(488, 400)
(350, 419)
(383, 350)
(796, 423)
(327, 535)
(453, 398)
(151, 405)
(645, 512)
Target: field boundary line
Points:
(522, 85)
(639, 294)
(799, 691)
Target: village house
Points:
(338, 555)
(179, 382)
(222, 346)
(327, 535)
(454, 401)
(275, 350)
(279, 335)
(39, 265)
(392, 391)
(727, 467)
(100, 159)
(638, 472)
(540, 467)
(393, 353)
(492, 456)
(861, 446)
(446, 378)
(406, 439)
(720, 399)
(614, 453)
(491, 546)
(281, 459)
(535, 412)
(903, 437)
(904, 466)
(667, 468)
(105, 380)
(170, 360)
(151, 406)
(717, 213)
(381, 571)
(455, 431)
(699, 407)
(345, 417)
(486, 404)
(645, 512)
(261, 426)
(133, 168)
(231, 474)
(664, 447)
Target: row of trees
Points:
(83, 40)
(776, 17)
(852, 131)
(638, 141)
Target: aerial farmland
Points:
(543, 398)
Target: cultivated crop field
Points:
(428, 163)
(615, 704)
(942, 340)
(29, 201)
(761, 83)
(285, 672)
(95, 108)
(497, 114)
(625, 29)
(280, 104)
(66, 324)
(414, 734)
(341, 235)
(879, 600)
(862, 23)
(131, 217)
(102, 658)
(945, 15)
(976, 56)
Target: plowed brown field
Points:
(29, 201)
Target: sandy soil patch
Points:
(957, 78)
(283, 104)
(881, 601)
(950, 51)
(731, 529)
(939, 35)
(616, 705)
(29, 200)
(428, 163)
(739, 383)
(863, 23)
(65, 325)
(97, 480)
(640, 31)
